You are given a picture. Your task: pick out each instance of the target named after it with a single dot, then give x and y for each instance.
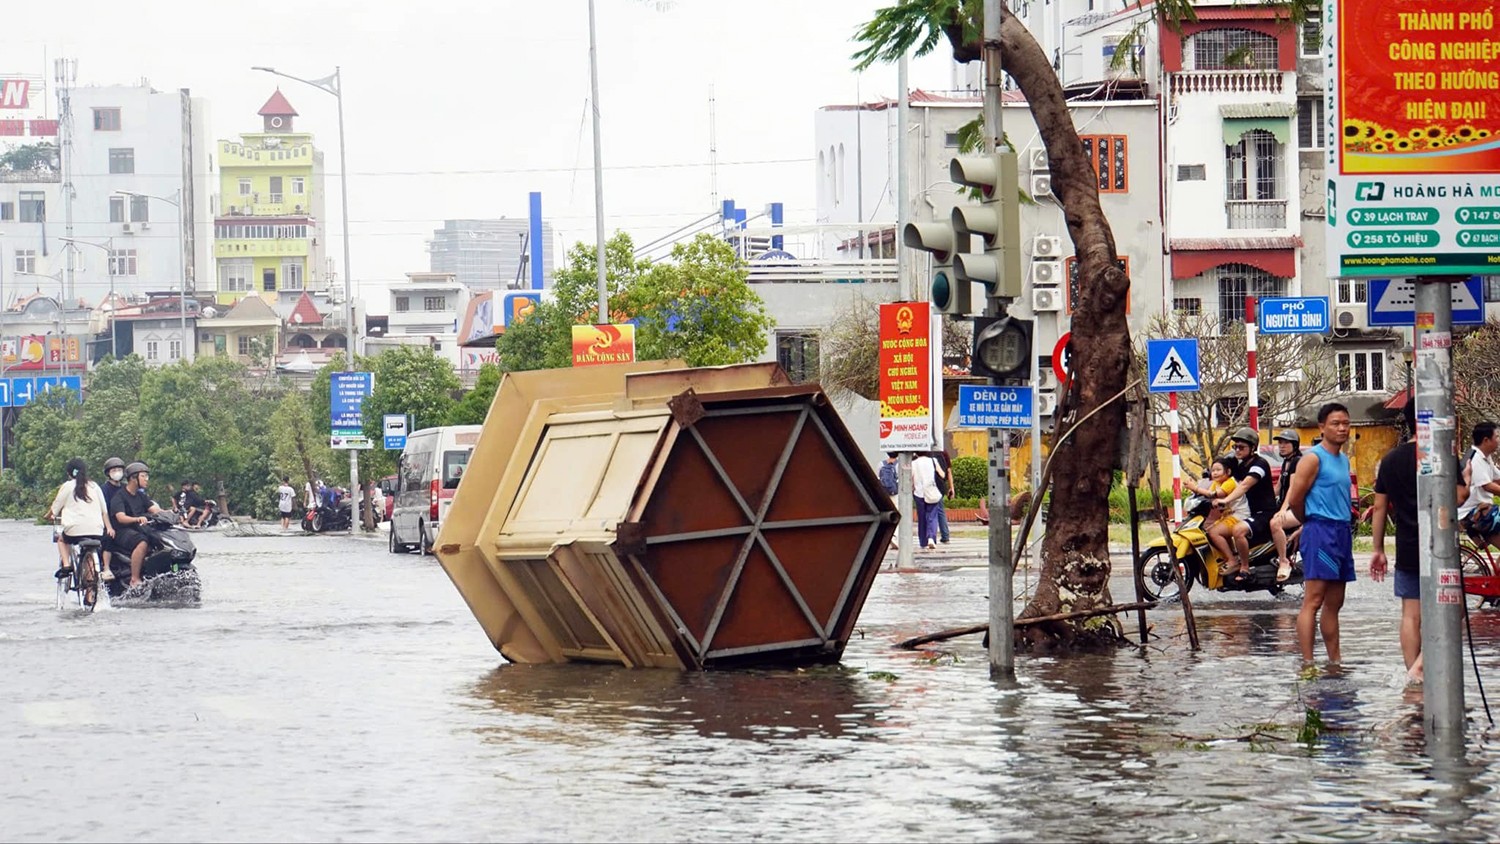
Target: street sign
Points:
(393, 426)
(1299, 315)
(1410, 133)
(5, 392)
(905, 359)
(1060, 358)
(72, 382)
(1172, 365)
(21, 391)
(46, 383)
(995, 407)
(347, 393)
(1394, 301)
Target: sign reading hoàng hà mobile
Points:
(1413, 137)
(905, 377)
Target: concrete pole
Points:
(183, 354)
(356, 495)
(1002, 650)
(598, 169)
(1442, 593)
(905, 501)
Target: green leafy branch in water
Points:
(1312, 727)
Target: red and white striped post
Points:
(1252, 383)
(1174, 428)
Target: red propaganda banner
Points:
(905, 377)
(1419, 86)
(597, 344)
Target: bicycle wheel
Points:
(88, 579)
(1476, 563)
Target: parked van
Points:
(432, 464)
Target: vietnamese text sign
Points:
(905, 377)
(347, 393)
(599, 344)
(347, 442)
(1297, 315)
(995, 407)
(393, 428)
(1413, 110)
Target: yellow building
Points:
(268, 229)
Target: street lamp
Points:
(181, 262)
(109, 265)
(333, 84)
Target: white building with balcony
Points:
(425, 310)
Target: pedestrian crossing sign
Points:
(1172, 365)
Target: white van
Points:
(431, 466)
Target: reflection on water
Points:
(301, 703)
(754, 705)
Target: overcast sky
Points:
(458, 109)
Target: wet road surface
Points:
(326, 690)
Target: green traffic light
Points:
(942, 291)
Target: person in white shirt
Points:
(1478, 514)
(925, 475)
(285, 498)
(79, 505)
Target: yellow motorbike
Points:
(1197, 560)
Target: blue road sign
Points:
(1394, 301)
(347, 393)
(21, 390)
(995, 407)
(393, 426)
(4, 392)
(46, 383)
(72, 382)
(1302, 315)
(1172, 365)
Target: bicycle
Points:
(82, 579)
(1478, 560)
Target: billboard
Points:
(905, 377)
(14, 93)
(36, 351)
(598, 344)
(1413, 138)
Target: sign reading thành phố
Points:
(905, 377)
(1413, 137)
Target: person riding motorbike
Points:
(1284, 526)
(114, 474)
(1252, 476)
(79, 504)
(130, 508)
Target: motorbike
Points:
(1198, 561)
(325, 517)
(168, 575)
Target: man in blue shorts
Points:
(1320, 489)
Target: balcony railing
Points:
(29, 176)
(1228, 82)
(816, 271)
(256, 247)
(1256, 213)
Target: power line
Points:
(482, 171)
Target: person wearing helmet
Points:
(1252, 477)
(131, 508)
(1284, 525)
(114, 478)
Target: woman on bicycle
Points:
(80, 505)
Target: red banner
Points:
(597, 344)
(1419, 86)
(905, 377)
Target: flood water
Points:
(326, 690)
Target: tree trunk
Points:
(1075, 553)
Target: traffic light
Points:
(997, 220)
(1002, 348)
(948, 296)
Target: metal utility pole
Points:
(910, 289)
(1441, 587)
(598, 168)
(1002, 607)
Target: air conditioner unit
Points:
(1041, 186)
(1036, 157)
(1046, 272)
(125, 227)
(146, 226)
(1046, 402)
(1046, 300)
(1046, 246)
(1046, 379)
(1346, 318)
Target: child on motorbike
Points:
(1220, 483)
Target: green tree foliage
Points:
(696, 305)
(298, 450)
(411, 380)
(200, 423)
(971, 477)
(475, 405)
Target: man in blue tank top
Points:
(1320, 489)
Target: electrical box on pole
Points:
(997, 220)
(948, 295)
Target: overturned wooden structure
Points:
(651, 515)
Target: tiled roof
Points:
(1205, 244)
(305, 312)
(1252, 110)
(277, 106)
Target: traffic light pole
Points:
(1002, 650)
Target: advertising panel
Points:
(1413, 137)
(905, 377)
(599, 344)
